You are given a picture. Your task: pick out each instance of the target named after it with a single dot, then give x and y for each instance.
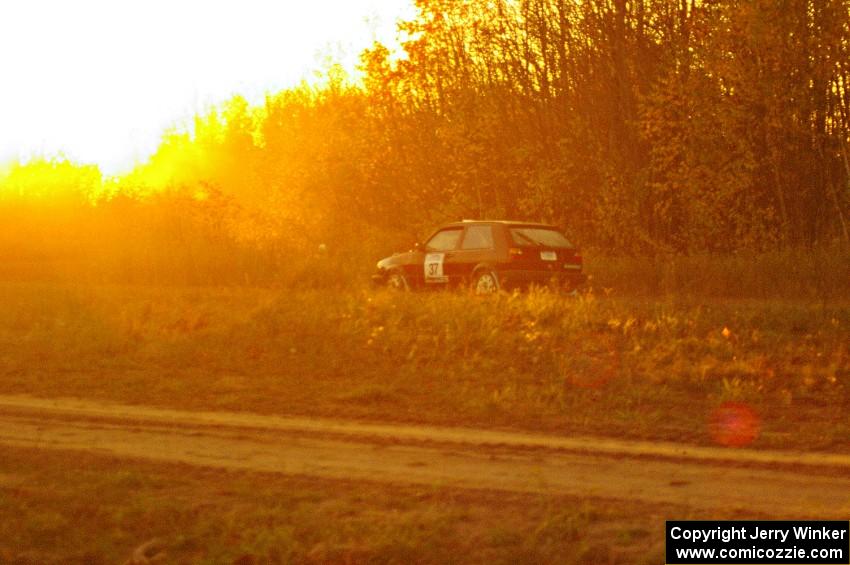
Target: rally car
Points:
(486, 256)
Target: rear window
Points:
(542, 237)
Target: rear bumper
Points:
(524, 278)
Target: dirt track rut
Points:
(783, 484)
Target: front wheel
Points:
(397, 281)
(485, 282)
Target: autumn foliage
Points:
(648, 127)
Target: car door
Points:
(477, 246)
(438, 252)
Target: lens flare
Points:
(734, 424)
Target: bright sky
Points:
(100, 80)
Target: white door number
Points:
(434, 268)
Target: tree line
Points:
(640, 126)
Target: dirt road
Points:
(773, 483)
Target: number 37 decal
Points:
(434, 268)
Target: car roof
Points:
(463, 223)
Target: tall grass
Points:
(820, 273)
(610, 365)
(171, 250)
(179, 238)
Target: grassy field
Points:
(49, 513)
(667, 360)
(819, 275)
(636, 367)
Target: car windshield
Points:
(444, 240)
(543, 237)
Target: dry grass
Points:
(818, 275)
(618, 366)
(652, 359)
(100, 509)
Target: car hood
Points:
(397, 259)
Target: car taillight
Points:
(576, 258)
(514, 253)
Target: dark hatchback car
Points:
(488, 256)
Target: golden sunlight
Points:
(98, 81)
(422, 281)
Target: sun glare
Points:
(98, 81)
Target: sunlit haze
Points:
(99, 81)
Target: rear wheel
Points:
(397, 281)
(485, 282)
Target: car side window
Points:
(444, 240)
(478, 237)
